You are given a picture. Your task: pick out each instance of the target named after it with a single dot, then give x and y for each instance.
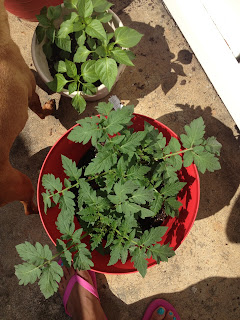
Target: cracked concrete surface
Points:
(167, 83)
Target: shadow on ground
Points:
(217, 188)
(212, 298)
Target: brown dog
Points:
(18, 86)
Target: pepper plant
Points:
(88, 54)
(132, 177)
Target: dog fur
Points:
(18, 86)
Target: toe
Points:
(170, 316)
(158, 314)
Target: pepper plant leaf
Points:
(79, 103)
(58, 83)
(127, 37)
(85, 8)
(106, 69)
(81, 54)
(95, 29)
(121, 56)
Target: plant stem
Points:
(176, 153)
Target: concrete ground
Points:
(167, 83)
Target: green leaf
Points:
(47, 49)
(34, 254)
(106, 69)
(115, 253)
(101, 5)
(127, 37)
(213, 146)
(121, 56)
(40, 33)
(58, 83)
(88, 130)
(54, 13)
(139, 259)
(195, 132)
(50, 277)
(66, 27)
(43, 20)
(71, 169)
(95, 29)
(187, 158)
(78, 26)
(71, 68)
(87, 193)
(66, 201)
(27, 273)
(82, 259)
(72, 87)
(206, 161)
(104, 108)
(174, 145)
(65, 223)
(172, 189)
(49, 182)
(88, 71)
(156, 205)
(130, 143)
(85, 8)
(81, 38)
(152, 236)
(117, 119)
(101, 51)
(64, 43)
(47, 201)
(142, 195)
(89, 88)
(104, 17)
(79, 103)
(60, 66)
(81, 54)
(71, 4)
(102, 162)
(66, 255)
(162, 252)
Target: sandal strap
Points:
(86, 285)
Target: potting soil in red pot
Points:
(178, 228)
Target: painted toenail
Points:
(170, 313)
(160, 311)
(174, 318)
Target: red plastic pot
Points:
(178, 228)
(28, 9)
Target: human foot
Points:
(81, 303)
(161, 314)
(160, 309)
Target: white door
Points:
(212, 29)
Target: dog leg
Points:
(16, 186)
(35, 105)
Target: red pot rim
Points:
(178, 227)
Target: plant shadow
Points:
(212, 298)
(219, 187)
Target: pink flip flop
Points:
(76, 278)
(159, 303)
(86, 285)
